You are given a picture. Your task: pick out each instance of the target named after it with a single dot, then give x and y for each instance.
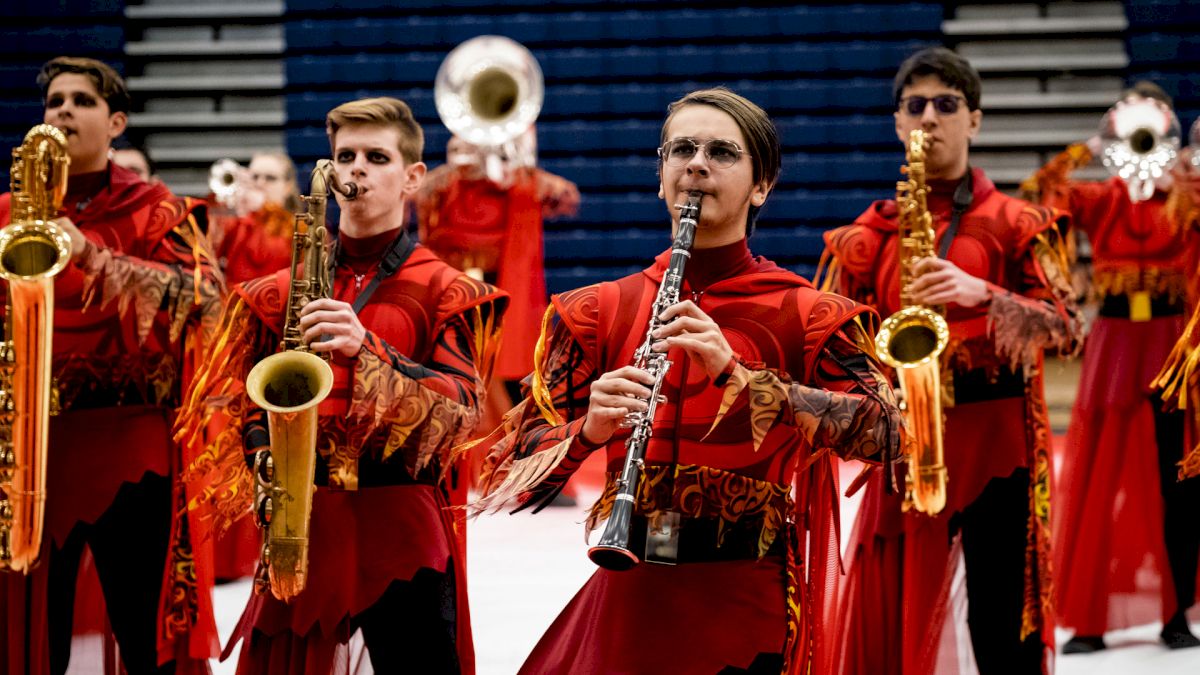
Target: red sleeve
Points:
(539, 446)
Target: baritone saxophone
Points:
(32, 251)
(913, 339)
(290, 385)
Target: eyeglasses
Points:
(946, 104)
(265, 177)
(720, 152)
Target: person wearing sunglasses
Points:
(998, 274)
(768, 375)
(1121, 440)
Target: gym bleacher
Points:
(824, 73)
(35, 31)
(822, 70)
(1164, 48)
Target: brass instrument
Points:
(489, 91)
(1140, 143)
(912, 340)
(32, 251)
(613, 551)
(223, 181)
(289, 386)
(1190, 156)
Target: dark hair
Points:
(762, 139)
(108, 83)
(952, 69)
(384, 112)
(123, 143)
(1148, 89)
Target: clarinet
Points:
(612, 552)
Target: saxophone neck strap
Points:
(963, 195)
(393, 259)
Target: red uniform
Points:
(379, 527)
(475, 223)
(723, 455)
(996, 445)
(1113, 568)
(126, 322)
(256, 244)
(248, 247)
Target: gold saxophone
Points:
(912, 340)
(32, 250)
(289, 386)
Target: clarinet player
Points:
(737, 446)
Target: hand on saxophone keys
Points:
(332, 326)
(614, 395)
(941, 282)
(78, 241)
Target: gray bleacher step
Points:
(205, 47)
(190, 189)
(1036, 100)
(1035, 25)
(1040, 62)
(241, 82)
(211, 153)
(1053, 138)
(1014, 175)
(202, 10)
(205, 119)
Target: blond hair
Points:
(383, 111)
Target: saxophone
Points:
(32, 251)
(290, 385)
(912, 340)
(612, 552)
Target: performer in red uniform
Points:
(126, 312)
(409, 370)
(1007, 299)
(491, 228)
(1118, 476)
(127, 155)
(252, 239)
(494, 229)
(257, 240)
(769, 375)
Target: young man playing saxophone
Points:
(410, 360)
(128, 307)
(1002, 280)
(736, 453)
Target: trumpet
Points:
(223, 182)
(1140, 143)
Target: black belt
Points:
(373, 473)
(1117, 306)
(698, 540)
(987, 384)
